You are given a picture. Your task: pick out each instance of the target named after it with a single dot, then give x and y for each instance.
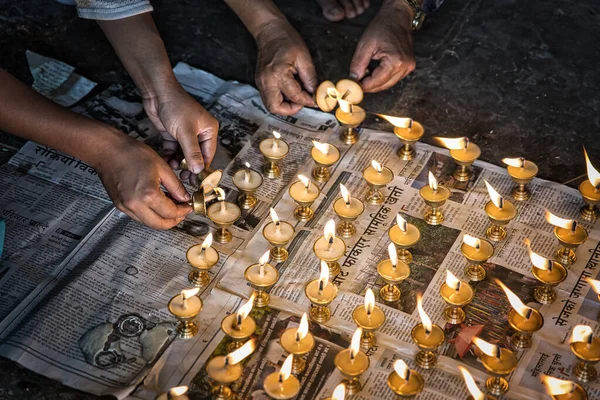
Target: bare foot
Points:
(337, 10)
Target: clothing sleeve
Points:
(430, 6)
(111, 9)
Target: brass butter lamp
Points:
(409, 132)
(434, 196)
(500, 212)
(559, 389)
(282, 385)
(522, 172)
(587, 350)
(456, 294)
(548, 273)
(499, 363)
(590, 191)
(324, 155)
(278, 233)
(476, 393)
(321, 292)
(274, 150)
(262, 277)
(404, 382)
(348, 209)
(428, 337)
(352, 363)
(224, 370)
(404, 236)
(299, 342)
(477, 252)
(202, 257)
(570, 236)
(369, 317)
(464, 153)
(393, 272)
(239, 327)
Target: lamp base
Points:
(319, 314)
(279, 254)
(405, 256)
(589, 212)
(186, 329)
(247, 201)
(374, 197)
(454, 315)
(426, 359)
(262, 299)
(271, 170)
(367, 340)
(462, 173)
(495, 233)
(223, 236)
(585, 372)
(390, 293)
(544, 294)
(303, 213)
(349, 136)
(334, 269)
(475, 273)
(521, 193)
(199, 278)
(406, 152)
(220, 392)
(298, 365)
(520, 341)
(433, 217)
(346, 229)
(496, 385)
(321, 174)
(566, 257)
(353, 386)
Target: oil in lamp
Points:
(274, 151)
(224, 370)
(409, 132)
(324, 155)
(202, 257)
(304, 193)
(590, 191)
(239, 327)
(176, 393)
(500, 212)
(464, 153)
(185, 307)
(499, 363)
(434, 196)
(559, 389)
(393, 272)
(404, 236)
(456, 294)
(377, 176)
(570, 236)
(348, 209)
(261, 277)
(404, 382)
(524, 320)
(321, 293)
(339, 393)
(587, 350)
(350, 116)
(278, 233)
(299, 342)
(282, 385)
(477, 252)
(247, 181)
(330, 248)
(223, 214)
(522, 172)
(548, 273)
(352, 363)
(369, 317)
(475, 392)
(427, 336)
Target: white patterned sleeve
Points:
(111, 9)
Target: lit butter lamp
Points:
(224, 370)
(500, 212)
(499, 363)
(428, 337)
(304, 193)
(239, 327)
(352, 363)
(282, 385)
(202, 257)
(348, 209)
(456, 294)
(328, 93)
(570, 236)
(247, 181)
(185, 307)
(320, 292)
(434, 196)
(464, 153)
(590, 191)
(299, 342)
(595, 284)
(339, 393)
(369, 317)
(278, 233)
(393, 272)
(404, 236)
(376, 176)
(330, 248)
(274, 151)
(404, 382)
(474, 391)
(587, 350)
(409, 132)
(522, 172)
(524, 320)
(324, 155)
(548, 273)
(262, 277)
(205, 192)
(223, 214)
(477, 252)
(559, 389)
(350, 116)
(176, 393)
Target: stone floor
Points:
(519, 78)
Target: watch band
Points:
(419, 15)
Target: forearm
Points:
(256, 14)
(141, 50)
(29, 115)
(402, 7)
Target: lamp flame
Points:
(304, 180)
(378, 167)
(207, 241)
(247, 164)
(329, 231)
(324, 275)
(398, 122)
(452, 280)
(471, 241)
(345, 194)
(277, 135)
(302, 330)
(594, 284)
(560, 222)
(515, 301)
(454, 143)
(393, 253)
(178, 391)
(402, 369)
(581, 333)
(424, 317)
(238, 355)
(433, 183)
(514, 162)
(592, 173)
(494, 195)
(220, 193)
(262, 261)
(339, 393)
(487, 348)
(355, 343)
(322, 147)
(345, 105)
(274, 216)
(476, 393)
(245, 309)
(286, 369)
(369, 301)
(537, 260)
(187, 293)
(556, 387)
(402, 224)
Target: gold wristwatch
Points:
(419, 15)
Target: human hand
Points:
(387, 39)
(132, 174)
(282, 54)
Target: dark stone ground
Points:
(519, 78)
